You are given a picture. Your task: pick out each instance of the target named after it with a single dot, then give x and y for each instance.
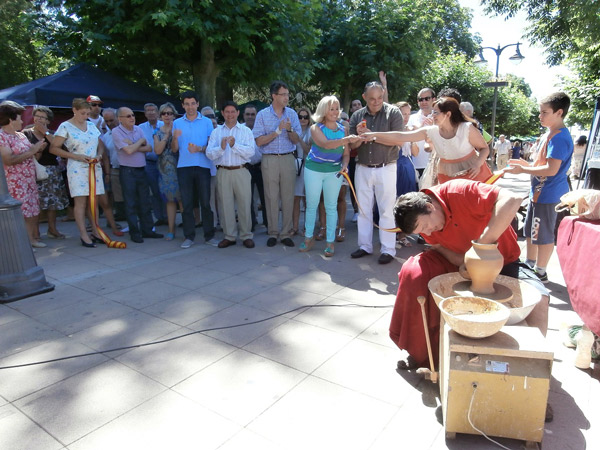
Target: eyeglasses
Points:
(167, 113)
(128, 116)
(285, 94)
(302, 117)
(40, 117)
(95, 104)
(424, 99)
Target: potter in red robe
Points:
(467, 207)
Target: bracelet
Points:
(277, 131)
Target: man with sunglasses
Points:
(376, 171)
(131, 147)
(425, 100)
(96, 109)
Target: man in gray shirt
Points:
(376, 171)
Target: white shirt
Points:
(502, 148)
(107, 139)
(239, 154)
(420, 161)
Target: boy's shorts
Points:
(539, 223)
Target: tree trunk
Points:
(205, 72)
(224, 92)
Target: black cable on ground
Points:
(162, 341)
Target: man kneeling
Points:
(449, 216)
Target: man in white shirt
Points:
(425, 100)
(113, 182)
(502, 148)
(95, 110)
(230, 147)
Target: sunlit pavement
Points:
(314, 378)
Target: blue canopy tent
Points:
(81, 80)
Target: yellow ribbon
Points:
(107, 240)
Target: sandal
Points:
(169, 237)
(307, 245)
(321, 234)
(58, 235)
(293, 232)
(340, 235)
(407, 364)
(329, 251)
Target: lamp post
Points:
(516, 58)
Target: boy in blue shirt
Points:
(548, 181)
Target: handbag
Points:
(299, 163)
(584, 203)
(40, 171)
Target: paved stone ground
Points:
(318, 378)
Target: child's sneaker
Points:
(543, 278)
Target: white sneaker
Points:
(125, 230)
(355, 218)
(187, 243)
(212, 242)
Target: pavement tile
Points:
(288, 344)
(167, 421)
(240, 395)
(369, 369)
(369, 291)
(154, 267)
(111, 281)
(319, 282)
(132, 328)
(247, 439)
(171, 362)
(341, 316)
(280, 299)
(274, 274)
(83, 314)
(20, 335)
(62, 295)
(19, 432)
(235, 264)
(331, 417)
(65, 270)
(88, 400)
(235, 289)
(8, 314)
(188, 308)
(145, 294)
(238, 329)
(379, 332)
(19, 382)
(194, 278)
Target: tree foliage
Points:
(515, 110)
(400, 37)
(162, 40)
(569, 30)
(24, 54)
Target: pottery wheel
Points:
(501, 292)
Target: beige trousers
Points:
(233, 186)
(279, 180)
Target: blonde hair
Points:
(80, 103)
(323, 107)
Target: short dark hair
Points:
(408, 208)
(556, 101)
(188, 94)
(581, 140)
(230, 103)
(45, 110)
(9, 110)
(450, 92)
(276, 85)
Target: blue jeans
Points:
(195, 180)
(314, 183)
(152, 175)
(136, 195)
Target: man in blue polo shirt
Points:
(277, 131)
(190, 138)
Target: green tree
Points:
(165, 41)
(570, 32)
(24, 54)
(515, 109)
(400, 37)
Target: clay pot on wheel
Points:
(484, 263)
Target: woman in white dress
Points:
(82, 139)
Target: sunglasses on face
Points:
(302, 117)
(95, 104)
(424, 99)
(167, 113)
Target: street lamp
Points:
(516, 58)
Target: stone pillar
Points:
(20, 275)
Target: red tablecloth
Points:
(578, 249)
